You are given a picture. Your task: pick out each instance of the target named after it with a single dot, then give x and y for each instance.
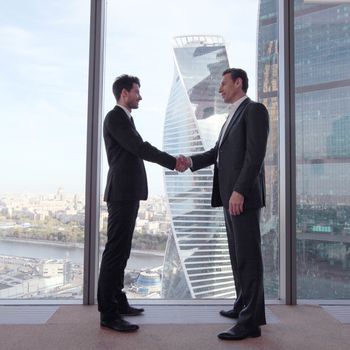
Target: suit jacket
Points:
(126, 179)
(241, 157)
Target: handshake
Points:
(182, 163)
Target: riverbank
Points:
(72, 245)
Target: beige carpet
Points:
(76, 327)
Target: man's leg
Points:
(247, 243)
(239, 302)
(121, 223)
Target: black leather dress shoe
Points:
(124, 307)
(239, 332)
(120, 325)
(230, 314)
(130, 311)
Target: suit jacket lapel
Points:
(130, 119)
(236, 117)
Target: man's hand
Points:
(182, 163)
(236, 203)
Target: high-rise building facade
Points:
(197, 263)
(322, 123)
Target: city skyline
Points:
(42, 244)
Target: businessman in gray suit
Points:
(126, 186)
(239, 186)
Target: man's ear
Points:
(124, 93)
(239, 82)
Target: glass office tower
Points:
(322, 104)
(197, 263)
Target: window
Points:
(43, 89)
(179, 52)
(322, 150)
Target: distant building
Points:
(148, 282)
(197, 263)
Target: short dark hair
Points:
(124, 81)
(238, 73)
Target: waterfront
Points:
(37, 250)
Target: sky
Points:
(43, 87)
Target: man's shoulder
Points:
(253, 103)
(115, 114)
(117, 110)
(254, 106)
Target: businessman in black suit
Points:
(126, 186)
(239, 186)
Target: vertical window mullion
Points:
(287, 153)
(93, 156)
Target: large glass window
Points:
(43, 94)
(179, 52)
(322, 69)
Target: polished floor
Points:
(168, 327)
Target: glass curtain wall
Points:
(178, 52)
(43, 94)
(322, 98)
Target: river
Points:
(137, 261)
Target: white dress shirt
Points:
(233, 110)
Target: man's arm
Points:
(122, 132)
(197, 161)
(205, 159)
(257, 130)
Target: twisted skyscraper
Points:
(197, 262)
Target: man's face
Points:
(230, 90)
(133, 97)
